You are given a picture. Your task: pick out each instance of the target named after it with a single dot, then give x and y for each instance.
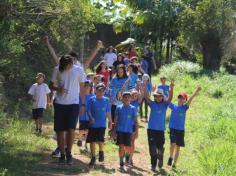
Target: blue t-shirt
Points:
(116, 85)
(157, 115)
(144, 66)
(98, 109)
(126, 116)
(135, 103)
(165, 89)
(84, 116)
(133, 81)
(177, 117)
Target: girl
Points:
(83, 117)
(133, 76)
(102, 69)
(120, 60)
(116, 85)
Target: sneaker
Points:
(131, 163)
(169, 163)
(69, 158)
(122, 164)
(79, 143)
(92, 162)
(56, 153)
(153, 168)
(101, 156)
(127, 159)
(62, 159)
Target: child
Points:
(144, 64)
(40, 93)
(125, 119)
(136, 99)
(177, 123)
(83, 117)
(146, 78)
(163, 86)
(133, 76)
(90, 77)
(98, 109)
(156, 125)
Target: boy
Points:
(125, 119)
(40, 93)
(98, 109)
(163, 86)
(177, 124)
(156, 125)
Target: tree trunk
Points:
(212, 52)
(168, 51)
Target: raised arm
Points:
(55, 59)
(89, 59)
(194, 94)
(171, 92)
(146, 96)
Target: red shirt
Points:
(132, 54)
(106, 75)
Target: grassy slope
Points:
(210, 134)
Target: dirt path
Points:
(49, 166)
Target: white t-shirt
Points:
(70, 80)
(39, 93)
(110, 58)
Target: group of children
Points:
(117, 96)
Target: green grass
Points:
(210, 132)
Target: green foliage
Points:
(22, 51)
(21, 149)
(179, 69)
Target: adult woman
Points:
(68, 81)
(110, 56)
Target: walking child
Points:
(177, 125)
(83, 117)
(98, 109)
(156, 125)
(125, 119)
(40, 94)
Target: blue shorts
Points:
(65, 116)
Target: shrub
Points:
(178, 69)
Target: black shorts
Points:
(83, 125)
(177, 137)
(37, 113)
(96, 135)
(156, 138)
(65, 116)
(123, 139)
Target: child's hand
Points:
(172, 84)
(154, 88)
(62, 91)
(45, 39)
(91, 120)
(199, 88)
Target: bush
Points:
(178, 69)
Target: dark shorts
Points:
(83, 125)
(177, 137)
(37, 113)
(123, 138)
(96, 135)
(156, 138)
(65, 116)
